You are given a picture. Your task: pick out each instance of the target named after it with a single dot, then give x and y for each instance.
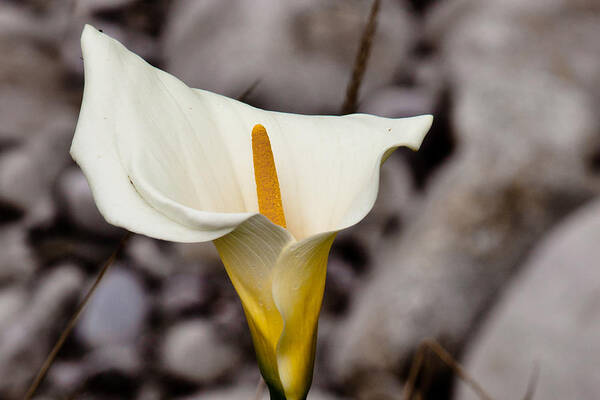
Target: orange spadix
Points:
(265, 174)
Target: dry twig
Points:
(437, 349)
(71, 324)
(360, 63)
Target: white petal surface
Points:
(175, 163)
(126, 115)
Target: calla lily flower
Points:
(270, 189)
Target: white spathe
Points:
(175, 163)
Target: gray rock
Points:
(28, 172)
(550, 316)
(230, 393)
(65, 376)
(228, 317)
(226, 46)
(42, 214)
(16, 22)
(183, 292)
(379, 387)
(195, 256)
(248, 392)
(12, 303)
(392, 209)
(76, 198)
(26, 342)
(162, 260)
(116, 312)
(69, 376)
(26, 112)
(51, 294)
(31, 92)
(396, 102)
(150, 392)
(320, 394)
(553, 37)
(194, 350)
(17, 261)
(521, 165)
(88, 7)
(124, 358)
(342, 281)
(149, 257)
(21, 179)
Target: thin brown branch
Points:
(71, 324)
(360, 63)
(437, 349)
(414, 373)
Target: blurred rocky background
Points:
(487, 240)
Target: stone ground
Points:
(482, 240)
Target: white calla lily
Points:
(176, 163)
